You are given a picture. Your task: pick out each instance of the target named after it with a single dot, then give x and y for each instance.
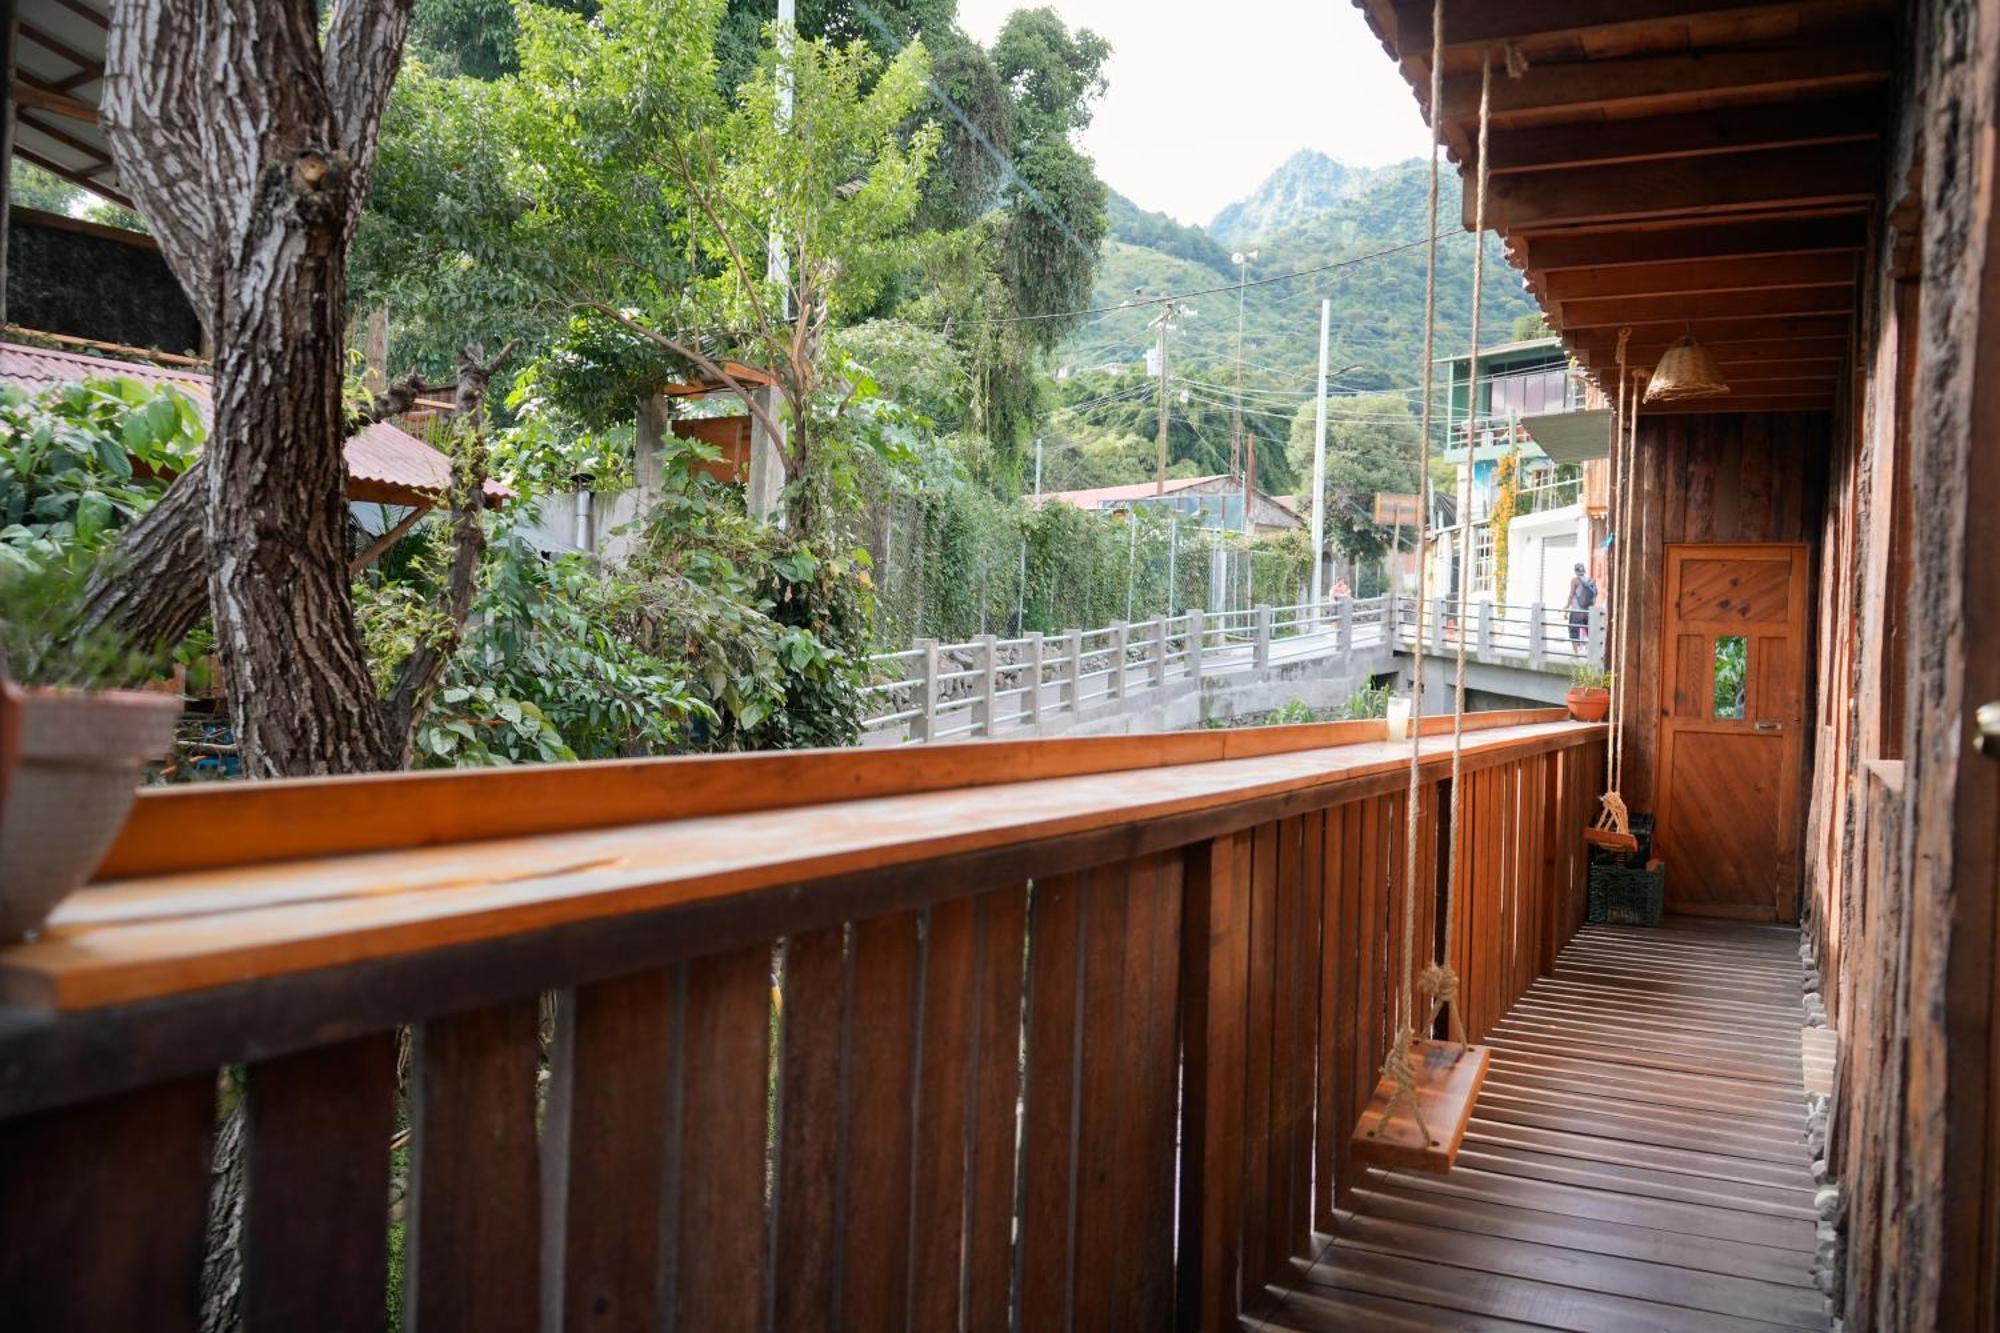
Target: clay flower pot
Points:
(70, 764)
(1587, 703)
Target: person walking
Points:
(1582, 596)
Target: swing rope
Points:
(1439, 980)
(1625, 426)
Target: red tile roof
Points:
(383, 463)
(1098, 496)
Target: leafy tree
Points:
(1371, 446)
(836, 180)
(974, 110)
(1057, 74)
(28, 186)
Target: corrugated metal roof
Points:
(1098, 496)
(1572, 437)
(383, 463)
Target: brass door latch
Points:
(1988, 722)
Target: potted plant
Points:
(75, 739)
(1589, 696)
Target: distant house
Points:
(1527, 401)
(386, 466)
(1210, 502)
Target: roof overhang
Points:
(1671, 166)
(58, 84)
(1571, 437)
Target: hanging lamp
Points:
(1686, 370)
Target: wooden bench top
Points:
(145, 936)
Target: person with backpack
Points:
(1582, 596)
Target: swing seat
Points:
(1448, 1080)
(1611, 839)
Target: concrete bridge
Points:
(1176, 673)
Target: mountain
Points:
(1364, 252)
(1133, 225)
(1307, 184)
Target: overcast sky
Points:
(1207, 96)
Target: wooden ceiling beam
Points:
(1739, 182)
(82, 182)
(1582, 89)
(1619, 311)
(1736, 403)
(1599, 347)
(31, 94)
(55, 46)
(1476, 23)
(1550, 252)
(1682, 276)
(1689, 134)
(1729, 339)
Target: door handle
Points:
(1770, 726)
(1988, 719)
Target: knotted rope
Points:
(1625, 442)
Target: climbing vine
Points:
(1506, 502)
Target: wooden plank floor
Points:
(1636, 1160)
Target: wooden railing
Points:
(1056, 1034)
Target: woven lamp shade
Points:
(1686, 370)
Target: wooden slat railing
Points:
(1044, 1035)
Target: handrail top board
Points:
(132, 939)
(205, 826)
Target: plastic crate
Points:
(1628, 895)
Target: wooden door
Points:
(1732, 720)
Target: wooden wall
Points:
(1712, 477)
(1903, 852)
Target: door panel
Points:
(1731, 728)
(1724, 788)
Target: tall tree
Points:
(246, 141)
(1371, 446)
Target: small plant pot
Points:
(1588, 704)
(74, 761)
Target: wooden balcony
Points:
(1060, 1034)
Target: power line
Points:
(1351, 262)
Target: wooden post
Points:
(1537, 646)
(1032, 701)
(1073, 670)
(1594, 647)
(1260, 655)
(1438, 613)
(1160, 653)
(923, 727)
(1483, 645)
(1120, 633)
(989, 664)
(1196, 631)
(1215, 945)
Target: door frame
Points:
(1788, 816)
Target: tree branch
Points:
(423, 670)
(706, 364)
(362, 52)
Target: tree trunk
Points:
(300, 694)
(247, 147)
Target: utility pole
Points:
(1319, 464)
(1169, 312)
(1160, 479)
(1249, 479)
(767, 447)
(1038, 467)
(1242, 262)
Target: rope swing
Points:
(1395, 1129)
(1614, 825)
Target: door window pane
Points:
(1732, 657)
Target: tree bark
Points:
(247, 147)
